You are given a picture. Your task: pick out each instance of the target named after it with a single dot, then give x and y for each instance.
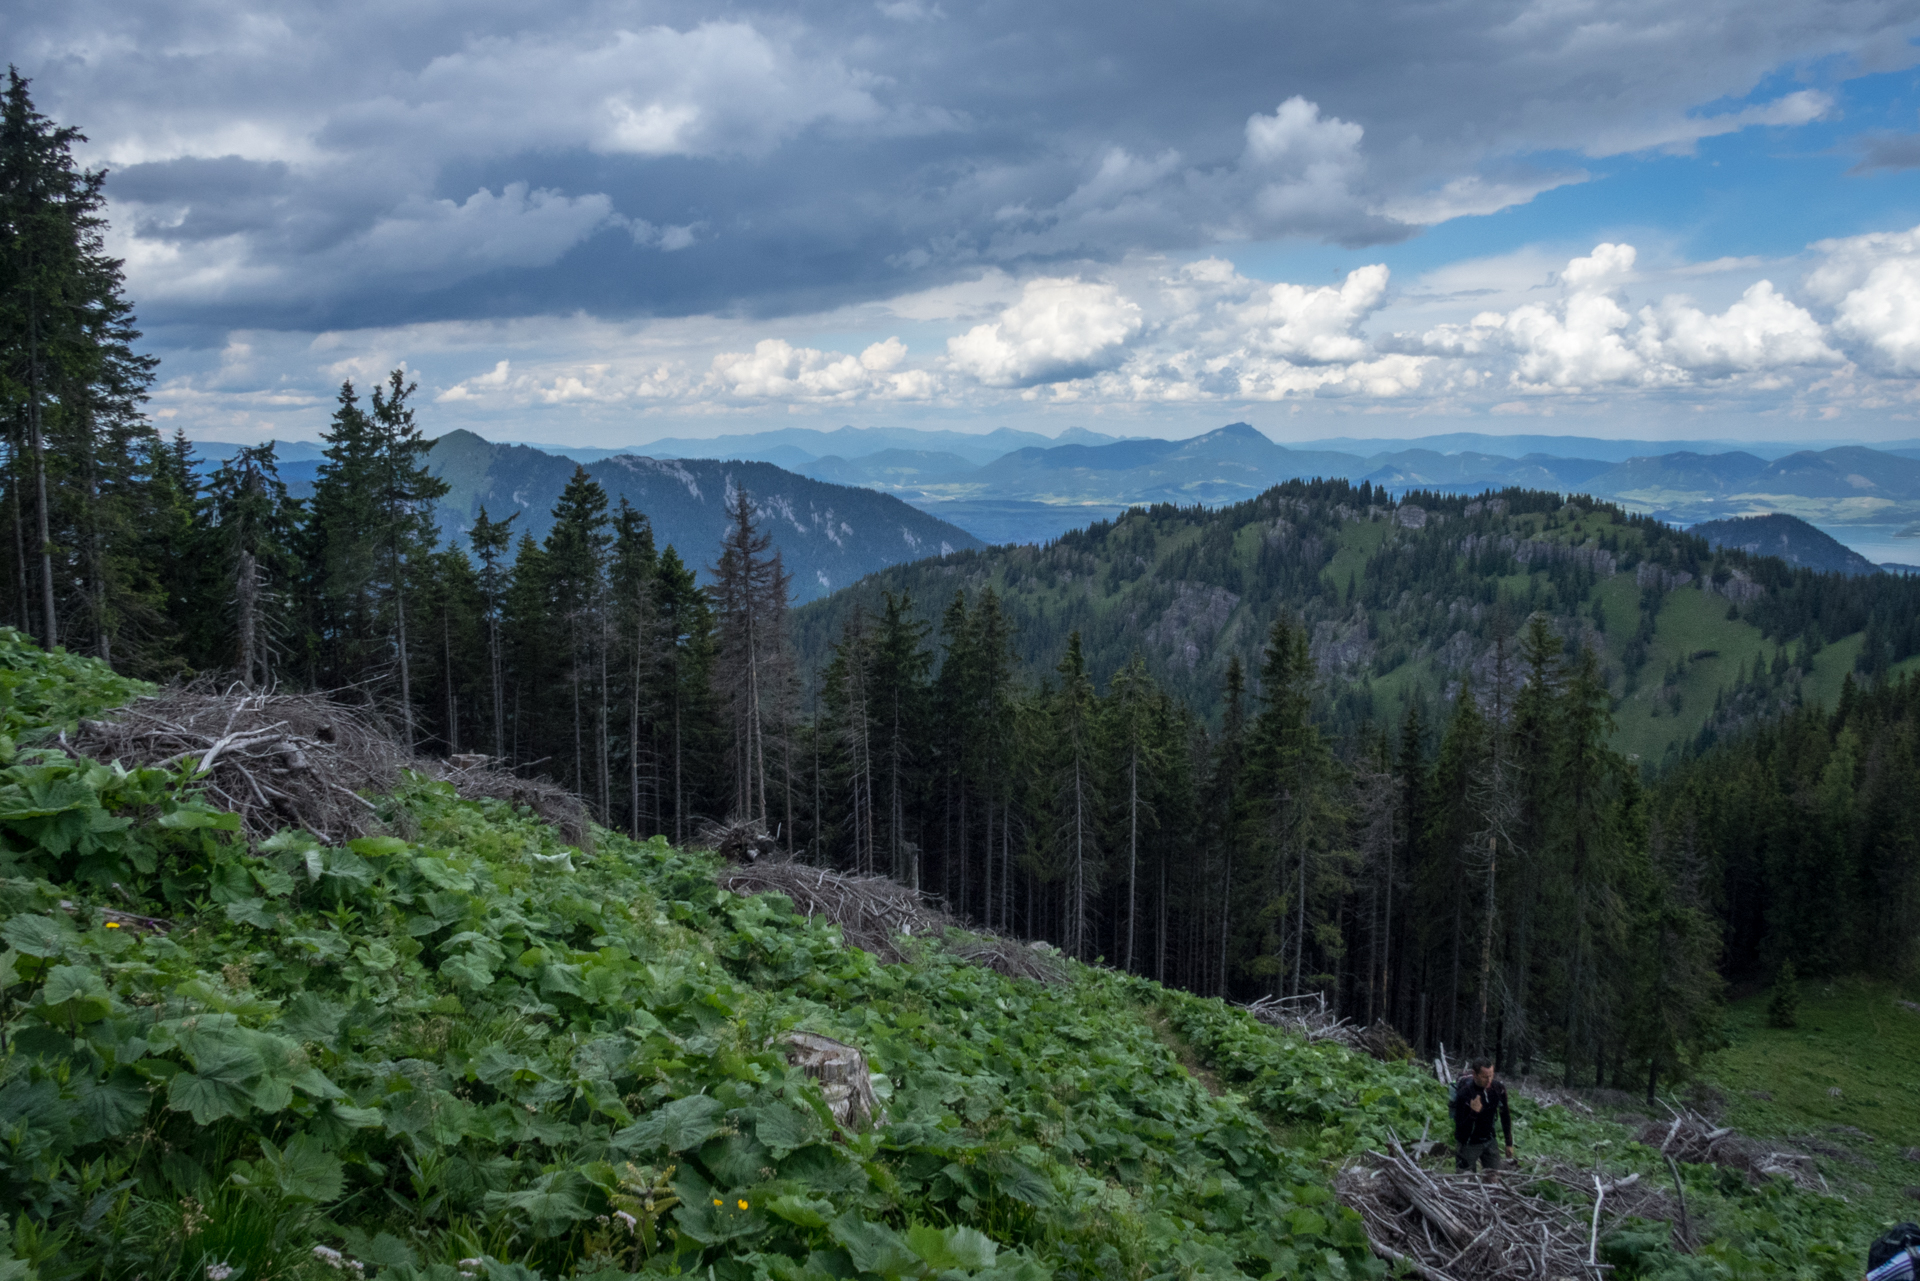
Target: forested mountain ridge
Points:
(1405, 601)
(1791, 539)
(828, 534)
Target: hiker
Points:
(1896, 1255)
(1476, 1099)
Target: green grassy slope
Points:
(1846, 1080)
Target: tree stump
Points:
(842, 1073)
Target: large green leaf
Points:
(42, 936)
(73, 995)
(226, 1065)
(303, 1170)
(112, 1106)
(311, 1017)
(208, 1099)
(551, 1203)
(785, 1129)
(251, 911)
(959, 1247)
(674, 1127)
(874, 1247)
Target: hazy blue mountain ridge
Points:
(829, 535)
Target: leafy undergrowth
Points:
(474, 1052)
(44, 693)
(1354, 1103)
(1845, 1082)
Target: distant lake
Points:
(1878, 543)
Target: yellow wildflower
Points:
(113, 925)
(743, 1204)
(718, 1201)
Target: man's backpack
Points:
(1892, 1243)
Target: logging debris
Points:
(882, 916)
(1309, 1015)
(1469, 1227)
(298, 760)
(739, 840)
(1692, 1138)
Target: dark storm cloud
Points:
(357, 163)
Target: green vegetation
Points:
(1844, 1082)
(475, 1043)
(474, 1049)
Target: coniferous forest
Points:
(1479, 868)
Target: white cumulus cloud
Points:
(1873, 284)
(1060, 329)
(1588, 338)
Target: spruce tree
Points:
(72, 388)
(490, 539)
(576, 563)
(405, 532)
(750, 597)
(248, 527)
(1067, 849)
(1134, 759)
(1783, 1003)
(636, 655)
(901, 662)
(1290, 799)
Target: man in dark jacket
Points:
(1475, 1100)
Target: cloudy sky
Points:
(608, 222)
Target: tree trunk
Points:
(453, 706)
(1486, 943)
(400, 642)
(1133, 847)
(23, 590)
(246, 597)
(34, 428)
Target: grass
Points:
(1691, 622)
(1358, 540)
(1853, 1037)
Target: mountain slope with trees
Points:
(828, 534)
(1404, 603)
(1788, 537)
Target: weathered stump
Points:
(842, 1073)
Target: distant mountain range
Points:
(829, 535)
(1016, 486)
(1038, 492)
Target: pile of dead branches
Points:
(1452, 1227)
(873, 913)
(739, 840)
(1040, 962)
(1309, 1015)
(1692, 1138)
(296, 760)
(880, 916)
